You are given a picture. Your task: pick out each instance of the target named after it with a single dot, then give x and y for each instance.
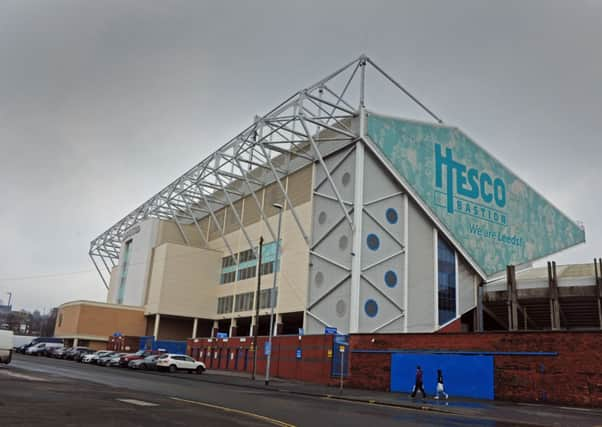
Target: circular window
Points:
(391, 279)
(319, 278)
(392, 216)
(346, 179)
(343, 242)
(341, 308)
(373, 241)
(322, 218)
(371, 308)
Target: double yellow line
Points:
(237, 411)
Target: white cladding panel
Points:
(138, 265)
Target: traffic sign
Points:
(341, 349)
(330, 331)
(267, 348)
(298, 353)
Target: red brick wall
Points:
(455, 326)
(314, 366)
(573, 377)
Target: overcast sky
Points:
(104, 103)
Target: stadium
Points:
(370, 224)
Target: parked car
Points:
(57, 352)
(114, 361)
(81, 353)
(23, 348)
(93, 357)
(40, 349)
(125, 360)
(70, 353)
(149, 362)
(175, 362)
(103, 360)
(6, 346)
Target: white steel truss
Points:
(301, 130)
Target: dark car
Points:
(56, 353)
(22, 348)
(72, 352)
(125, 360)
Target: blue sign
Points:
(301, 332)
(267, 348)
(298, 353)
(222, 335)
(330, 331)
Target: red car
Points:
(124, 360)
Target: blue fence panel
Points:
(168, 346)
(463, 375)
(146, 343)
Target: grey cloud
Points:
(103, 103)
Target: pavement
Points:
(286, 402)
(495, 411)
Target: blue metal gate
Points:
(463, 375)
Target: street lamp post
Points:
(256, 331)
(273, 293)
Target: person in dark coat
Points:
(419, 385)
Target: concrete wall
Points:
(553, 367)
(169, 232)
(294, 261)
(173, 328)
(183, 281)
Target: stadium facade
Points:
(388, 225)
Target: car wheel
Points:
(143, 366)
(199, 370)
(172, 369)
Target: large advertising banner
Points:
(495, 216)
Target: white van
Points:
(6, 346)
(40, 349)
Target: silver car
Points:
(114, 360)
(93, 357)
(149, 362)
(103, 360)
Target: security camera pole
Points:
(273, 293)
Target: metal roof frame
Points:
(296, 132)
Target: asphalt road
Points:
(47, 385)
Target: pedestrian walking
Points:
(419, 384)
(440, 388)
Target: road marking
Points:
(23, 376)
(237, 411)
(137, 402)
